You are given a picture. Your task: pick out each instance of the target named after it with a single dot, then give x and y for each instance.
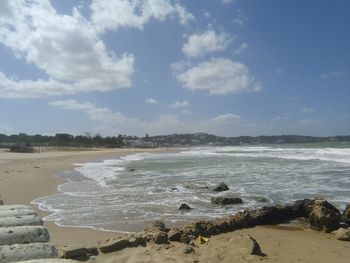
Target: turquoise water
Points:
(123, 194)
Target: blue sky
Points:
(241, 67)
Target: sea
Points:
(123, 194)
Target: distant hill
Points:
(172, 140)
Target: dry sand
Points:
(25, 177)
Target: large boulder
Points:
(112, 245)
(220, 187)
(222, 200)
(161, 238)
(73, 252)
(271, 215)
(324, 216)
(346, 214)
(342, 234)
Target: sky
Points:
(226, 67)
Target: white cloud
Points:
(95, 113)
(308, 110)
(226, 118)
(280, 118)
(67, 48)
(111, 122)
(4, 127)
(226, 2)
(180, 104)
(218, 76)
(332, 74)
(113, 14)
(151, 101)
(241, 48)
(240, 18)
(207, 42)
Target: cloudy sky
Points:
(228, 67)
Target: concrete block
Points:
(21, 252)
(31, 220)
(11, 213)
(15, 207)
(23, 235)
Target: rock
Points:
(251, 245)
(271, 215)
(132, 169)
(161, 238)
(50, 260)
(23, 235)
(91, 251)
(1, 201)
(220, 187)
(226, 200)
(174, 234)
(324, 216)
(188, 250)
(261, 199)
(346, 214)
(73, 252)
(135, 241)
(342, 234)
(31, 220)
(21, 252)
(112, 245)
(156, 225)
(185, 207)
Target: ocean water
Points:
(124, 194)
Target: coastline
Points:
(25, 177)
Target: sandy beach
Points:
(25, 177)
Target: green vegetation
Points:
(173, 140)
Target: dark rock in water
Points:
(188, 250)
(324, 216)
(342, 234)
(220, 187)
(261, 199)
(161, 238)
(172, 189)
(346, 214)
(185, 207)
(226, 200)
(132, 169)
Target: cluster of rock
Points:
(217, 200)
(23, 237)
(320, 214)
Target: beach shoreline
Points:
(26, 177)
